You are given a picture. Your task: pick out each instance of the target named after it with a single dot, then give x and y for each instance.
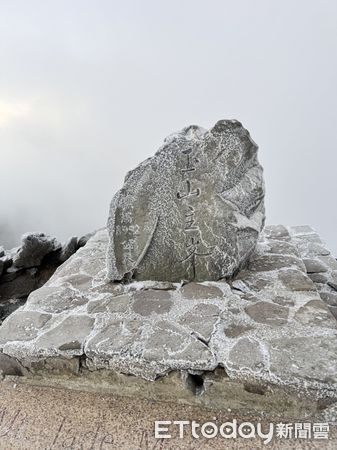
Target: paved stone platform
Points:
(265, 342)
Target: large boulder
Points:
(35, 246)
(191, 212)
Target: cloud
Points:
(11, 111)
(90, 89)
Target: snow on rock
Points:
(26, 268)
(193, 211)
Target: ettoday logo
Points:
(210, 430)
(246, 430)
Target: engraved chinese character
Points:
(190, 192)
(189, 168)
(192, 247)
(190, 220)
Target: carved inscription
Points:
(191, 191)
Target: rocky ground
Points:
(27, 267)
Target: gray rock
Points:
(68, 249)
(57, 299)
(158, 285)
(168, 341)
(35, 246)
(11, 273)
(302, 229)
(322, 278)
(7, 307)
(330, 298)
(192, 212)
(18, 284)
(332, 282)
(268, 313)
(315, 312)
(117, 304)
(201, 320)
(64, 366)
(7, 261)
(314, 265)
(282, 248)
(307, 357)
(80, 281)
(246, 353)
(70, 334)
(296, 280)
(117, 335)
(84, 239)
(235, 330)
(149, 302)
(22, 325)
(315, 249)
(278, 232)
(10, 366)
(274, 262)
(200, 291)
(256, 281)
(329, 261)
(333, 310)
(283, 301)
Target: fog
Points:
(90, 89)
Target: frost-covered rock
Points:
(84, 239)
(35, 263)
(191, 212)
(68, 249)
(35, 246)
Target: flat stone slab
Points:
(264, 342)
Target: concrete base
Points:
(45, 418)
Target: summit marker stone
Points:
(193, 211)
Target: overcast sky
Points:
(88, 89)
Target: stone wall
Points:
(320, 264)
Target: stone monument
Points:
(197, 304)
(191, 212)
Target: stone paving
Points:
(266, 341)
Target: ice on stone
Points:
(193, 211)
